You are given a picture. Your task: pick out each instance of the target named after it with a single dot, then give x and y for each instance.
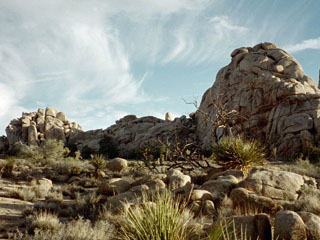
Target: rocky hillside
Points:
(263, 93)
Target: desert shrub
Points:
(71, 166)
(79, 229)
(314, 155)
(44, 220)
(226, 230)
(98, 161)
(88, 206)
(52, 149)
(108, 147)
(162, 218)
(86, 152)
(302, 167)
(7, 167)
(26, 194)
(237, 153)
(309, 200)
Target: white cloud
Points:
(306, 44)
(70, 58)
(13, 76)
(203, 39)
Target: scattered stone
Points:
(245, 199)
(176, 179)
(289, 226)
(117, 164)
(312, 223)
(256, 226)
(113, 186)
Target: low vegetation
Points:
(159, 217)
(74, 208)
(238, 153)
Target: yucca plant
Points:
(226, 230)
(238, 153)
(159, 218)
(98, 161)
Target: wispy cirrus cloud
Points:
(70, 55)
(306, 44)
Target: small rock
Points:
(289, 226)
(117, 164)
(312, 223)
(113, 186)
(201, 195)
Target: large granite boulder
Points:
(262, 93)
(277, 184)
(33, 128)
(289, 226)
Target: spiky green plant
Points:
(227, 230)
(98, 161)
(159, 218)
(238, 153)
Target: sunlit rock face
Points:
(262, 93)
(33, 128)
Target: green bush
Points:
(98, 161)
(158, 218)
(50, 150)
(86, 152)
(7, 167)
(108, 147)
(237, 153)
(314, 155)
(227, 230)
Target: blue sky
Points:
(98, 60)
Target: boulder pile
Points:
(130, 133)
(265, 94)
(33, 128)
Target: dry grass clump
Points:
(6, 167)
(302, 167)
(26, 194)
(44, 220)
(227, 230)
(161, 218)
(309, 200)
(71, 166)
(75, 230)
(238, 153)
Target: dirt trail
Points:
(11, 209)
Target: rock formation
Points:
(130, 133)
(33, 128)
(262, 93)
